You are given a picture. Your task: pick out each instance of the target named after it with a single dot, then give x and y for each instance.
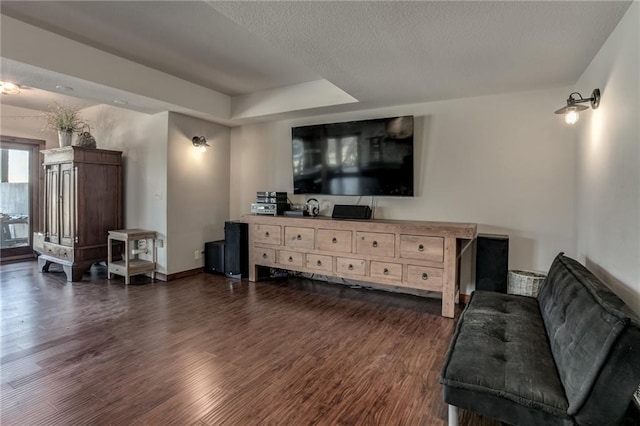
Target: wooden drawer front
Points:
(320, 262)
(299, 237)
(391, 271)
(266, 234)
(424, 278)
(334, 240)
(289, 258)
(422, 248)
(264, 255)
(350, 266)
(55, 250)
(376, 243)
(117, 269)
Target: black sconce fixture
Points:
(572, 108)
(200, 142)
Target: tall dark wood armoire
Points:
(82, 202)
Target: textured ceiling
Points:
(380, 52)
(403, 52)
(187, 39)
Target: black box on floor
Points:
(236, 249)
(214, 257)
(492, 262)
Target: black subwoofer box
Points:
(214, 257)
(349, 211)
(492, 262)
(236, 249)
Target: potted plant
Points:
(64, 119)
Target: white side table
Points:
(136, 242)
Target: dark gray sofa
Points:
(569, 356)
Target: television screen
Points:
(369, 157)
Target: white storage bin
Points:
(525, 283)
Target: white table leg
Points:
(453, 415)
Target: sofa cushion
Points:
(500, 347)
(583, 320)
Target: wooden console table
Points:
(405, 254)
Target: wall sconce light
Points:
(7, 88)
(200, 142)
(572, 109)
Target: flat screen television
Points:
(368, 157)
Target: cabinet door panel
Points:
(53, 204)
(67, 204)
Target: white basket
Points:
(525, 283)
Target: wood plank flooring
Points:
(206, 350)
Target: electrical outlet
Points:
(196, 254)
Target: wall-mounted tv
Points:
(368, 157)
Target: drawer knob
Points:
(299, 237)
(334, 240)
(319, 263)
(385, 271)
(425, 276)
(350, 267)
(420, 247)
(375, 244)
(264, 255)
(266, 234)
(290, 259)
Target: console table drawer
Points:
(334, 240)
(289, 258)
(422, 248)
(424, 278)
(265, 255)
(266, 234)
(376, 243)
(299, 237)
(348, 266)
(320, 262)
(391, 271)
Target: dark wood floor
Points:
(210, 351)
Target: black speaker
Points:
(214, 257)
(349, 211)
(492, 262)
(236, 249)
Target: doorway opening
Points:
(20, 193)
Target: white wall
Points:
(504, 162)
(142, 138)
(197, 189)
(169, 187)
(608, 163)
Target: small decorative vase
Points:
(64, 138)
